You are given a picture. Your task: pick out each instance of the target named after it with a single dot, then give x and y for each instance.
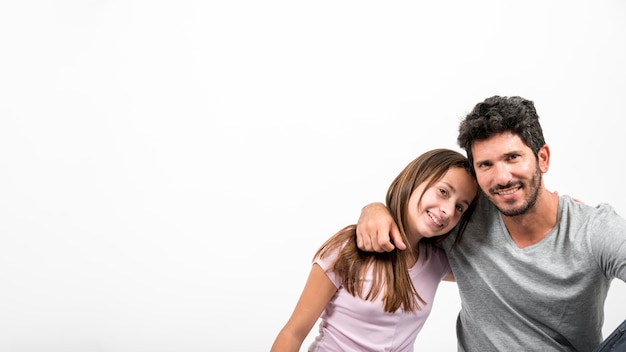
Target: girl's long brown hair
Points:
(390, 270)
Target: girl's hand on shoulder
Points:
(567, 195)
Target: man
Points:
(533, 268)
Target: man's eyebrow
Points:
(507, 154)
(513, 152)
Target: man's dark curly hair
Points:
(501, 114)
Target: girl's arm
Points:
(449, 277)
(316, 294)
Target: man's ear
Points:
(543, 156)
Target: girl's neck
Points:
(413, 253)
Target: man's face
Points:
(508, 172)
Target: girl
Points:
(379, 301)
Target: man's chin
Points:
(508, 207)
(512, 211)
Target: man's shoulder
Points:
(484, 204)
(484, 213)
(596, 221)
(582, 211)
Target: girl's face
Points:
(442, 205)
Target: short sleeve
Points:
(608, 242)
(326, 264)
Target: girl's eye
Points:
(459, 208)
(443, 191)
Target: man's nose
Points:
(502, 173)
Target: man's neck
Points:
(532, 227)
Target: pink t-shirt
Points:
(353, 324)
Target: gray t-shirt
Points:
(545, 297)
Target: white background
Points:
(168, 168)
